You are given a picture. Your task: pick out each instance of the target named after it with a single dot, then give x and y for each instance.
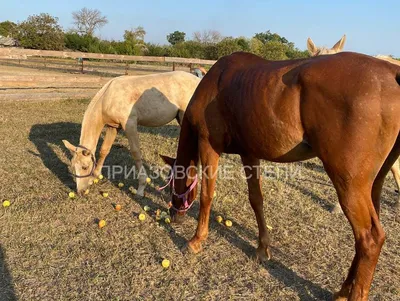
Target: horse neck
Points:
(92, 125)
(187, 157)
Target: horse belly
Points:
(274, 137)
(155, 113)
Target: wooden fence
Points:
(20, 54)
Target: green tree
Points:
(227, 46)
(8, 28)
(256, 46)
(176, 37)
(267, 36)
(41, 32)
(274, 50)
(134, 41)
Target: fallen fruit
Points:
(228, 223)
(148, 180)
(167, 220)
(71, 195)
(133, 190)
(95, 181)
(118, 207)
(87, 191)
(105, 194)
(120, 185)
(101, 177)
(269, 227)
(164, 214)
(219, 219)
(6, 203)
(146, 208)
(165, 263)
(215, 194)
(102, 223)
(142, 216)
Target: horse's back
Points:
(272, 109)
(153, 100)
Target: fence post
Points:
(126, 68)
(173, 66)
(190, 67)
(82, 65)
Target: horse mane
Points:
(388, 59)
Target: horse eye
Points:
(85, 167)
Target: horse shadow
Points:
(166, 131)
(7, 291)
(43, 136)
(46, 135)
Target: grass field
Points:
(52, 249)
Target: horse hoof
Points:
(263, 254)
(192, 248)
(337, 297)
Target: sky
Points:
(370, 27)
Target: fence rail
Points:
(19, 54)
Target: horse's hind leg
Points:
(395, 169)
(355, 199)
(133, 139)
(251, 166)
(109, 138)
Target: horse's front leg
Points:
(209, 160)
(396, 174)
(133, 138)
(252, 168)
(109, 138)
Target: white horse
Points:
(126, 102)
(338, 47)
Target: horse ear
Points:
(312, 49)
(340, 44)
(69, 146)
(168, 160)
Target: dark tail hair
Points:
(398, 78)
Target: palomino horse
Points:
(338, 47)
(128, 101)
(343, 109)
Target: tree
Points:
(228, 46)
(8, 28)
(176, 37)
(134, 41)
(88, 20)
(41, 32)
(256, 46)
(274, 50)
(207, 36)
(267, 36)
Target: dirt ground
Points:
(52, 249)
(54, 79)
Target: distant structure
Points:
(8, 42)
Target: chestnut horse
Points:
(342, 108)
(338, 47)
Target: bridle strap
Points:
(186, 206)
(93, 166)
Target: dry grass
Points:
(51, 248)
